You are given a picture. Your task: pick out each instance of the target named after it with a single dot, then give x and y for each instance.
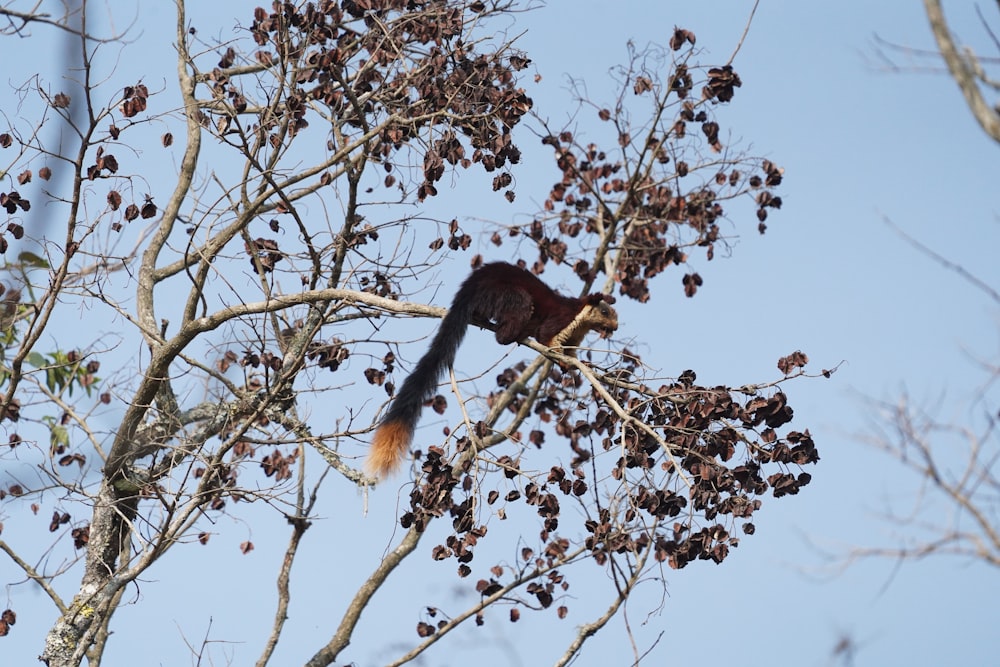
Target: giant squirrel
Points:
(513, 302)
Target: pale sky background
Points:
(857, 143)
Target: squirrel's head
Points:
(600, 316)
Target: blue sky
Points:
(830, 278)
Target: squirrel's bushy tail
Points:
(395, 431)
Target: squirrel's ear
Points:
(597, 297)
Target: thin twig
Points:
(943, 261)
(746, 30)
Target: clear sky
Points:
(858, 143)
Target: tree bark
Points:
(962, 71)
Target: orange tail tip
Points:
(388, 448)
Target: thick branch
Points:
(34, 575)
(147, 268)
(342, 637)
(521, 580)
(962, 71)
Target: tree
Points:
(256, 293)
(952, 461)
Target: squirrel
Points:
(514, 303)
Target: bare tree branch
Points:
(963, 70)
(966, 486)
(954, 267)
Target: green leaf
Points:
(58, 435)
(36, 360)
(31, 259)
